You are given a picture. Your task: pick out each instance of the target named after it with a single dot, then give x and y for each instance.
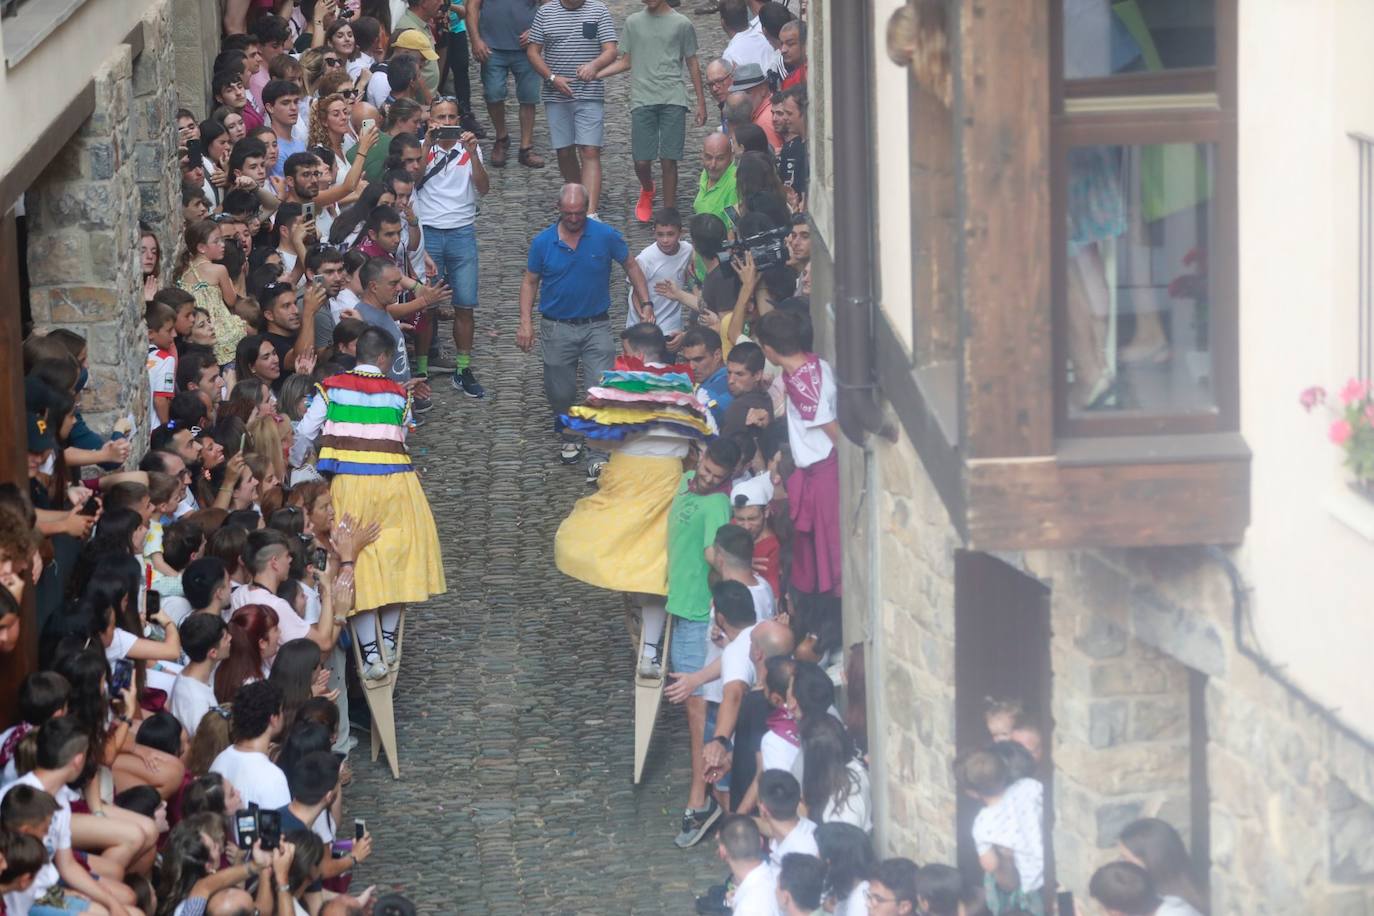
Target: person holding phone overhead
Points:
(570, 42)
(445, 202)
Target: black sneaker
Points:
(712, 902)
(421, 405)
(695, 824)
(467, 383)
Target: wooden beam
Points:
(1043, 504)
(14, 466)
(1002, 109)
(54, 137)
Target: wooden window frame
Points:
(1197, 105)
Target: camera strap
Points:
(438, 166)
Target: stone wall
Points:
(196, 25)
(83, 215)
(1291, 796)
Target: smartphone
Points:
(1065, 902)
(122, 676)
(193, 152)
(269, 828)
(448, 133)
(152, 604)
(308, 211)
(246, 826)
(369, 123)
(319, 558)
(92, 505)
(359, 828)
(733, 215)
(243, 438)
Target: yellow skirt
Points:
(404, 565)
(617, 538)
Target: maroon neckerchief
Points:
(781, 723)
(804, 386)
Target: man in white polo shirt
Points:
(740, 846)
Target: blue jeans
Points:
(454, 252)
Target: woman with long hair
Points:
(756, 174)
(149, 261)
(847, 854)
(198, 274)
(256, 358)
(191, 872)
(265, 440)
(253, 640)
(212, 737)
(340, 39)
(233, 123)
(105, 602)
(835, 785)
(1155, 846)
(299, 672)
(331, 129)
(348, 224)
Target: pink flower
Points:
(1340, 432)
(1354, 390)
(1311, 397)
(1369, 414)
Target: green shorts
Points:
(658, 132)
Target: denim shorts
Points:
(577, 123)
(454, 252)
(513, 63)
(688, 650)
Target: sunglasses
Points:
(333, 62)
(349, 93)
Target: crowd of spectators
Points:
(183, 748)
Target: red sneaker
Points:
(644, 210)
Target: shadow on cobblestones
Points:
(515, 713)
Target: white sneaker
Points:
(570, 452)
(375, 670)
(650, 666)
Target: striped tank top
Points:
(364, 426)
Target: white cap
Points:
(756, 491)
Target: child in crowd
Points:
(42, 696)
(162, 361)
(1008, 833)
(164, 494)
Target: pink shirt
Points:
(290, 624)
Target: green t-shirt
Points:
(692, 523)
(659, 46)
(429, 69)
(716, 199)
(376, 158)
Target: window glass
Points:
(1106, 38)
(1136, 311)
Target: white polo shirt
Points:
(448, 199)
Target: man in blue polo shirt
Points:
(569, 266)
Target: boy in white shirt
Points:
(205, 640)
(740, 846)
(779, 796)
(732, 558)
(664, 262)
(162, 361)
(256, 720)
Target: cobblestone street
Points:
(515, 707)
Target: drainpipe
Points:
(853, 244)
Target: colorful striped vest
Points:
(364, 431)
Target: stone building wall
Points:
(83, 215)
(1291, 797)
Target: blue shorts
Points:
(688, 650)
(513, 63)
(454, 252)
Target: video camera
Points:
(769, 247)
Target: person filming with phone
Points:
(445, 201)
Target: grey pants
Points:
(563, 346)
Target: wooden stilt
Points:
(380, 694)
(648, 696)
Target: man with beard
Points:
(324, 267)
(291, 332)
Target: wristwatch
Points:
(726, 743)
(548, 81)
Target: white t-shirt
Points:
(58, 838)
(1175, 906)
(258, 779)
(191, 700)
(357, 65)
(856, 904)
(289, 622)
(751, 47)
(778, 752)
(855, 809)
(119, 646)
(162, 370)
(757, 894)
(346, 299)
(378, 89)
(809, 442)
(449, 199)
(802, 839)
(177, 608)
(659, 266)
(417, 257)
(1015, 822)
(765, 605)
(734, 666)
